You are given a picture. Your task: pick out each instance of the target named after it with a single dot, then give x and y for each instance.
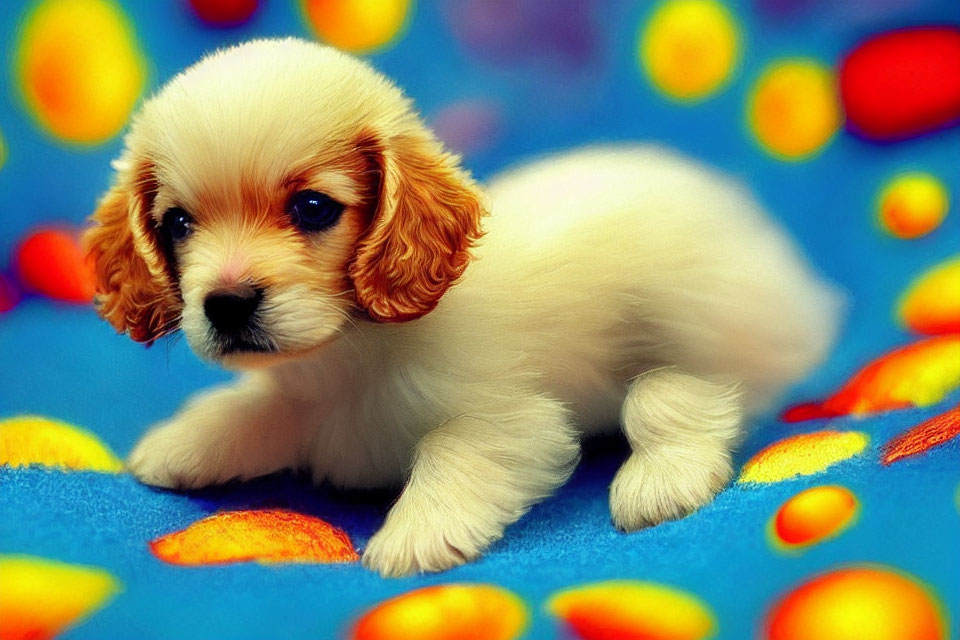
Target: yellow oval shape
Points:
(79, 68)
(446, 612)
(27, 440)
(813, 515)
(932, 303)
(793, 110)
(689, 48)
(803, 455)
(360, 26)
(866, 603)
(42, 598)
(912, 205)
(632, 609)
(263, 535)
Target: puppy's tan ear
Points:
(135, 292)
(427, 217)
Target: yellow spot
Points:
(446, 612)
(27, 440)
(689, 48)
(812, 516)
(932, 303)
(633, 609)
(793, 109)
(79, 68)
(41, 598)
(803, 455)
(912, 205)
(866, 603)
(264, 535)
(357, 25)
(3, 150)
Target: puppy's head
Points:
(268, 193)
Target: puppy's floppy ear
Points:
(135, 291)
(427, 217)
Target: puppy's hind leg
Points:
(681, 430)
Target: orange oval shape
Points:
(51, 262)
(916, 375)
(802, 455)
(793, 110)
(859, 603)
(357, 25)
(932, 303)
(267, 535)
(814, 515)
(630, 609)
(912, 205)
(42, 598)
(446, 612)
(79, 68)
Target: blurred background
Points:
(841, 115)
(751, 86)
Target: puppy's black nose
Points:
(229, 311)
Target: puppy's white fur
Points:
(615, 284)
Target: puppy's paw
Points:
(168, 457)
(652, 487)
(404, 547)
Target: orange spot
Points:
(79, 68)
(632, 610)
(357, 25)
(802, 455)
(861, 603)
(446, 612)
(269, 535)
(814, 515)
(689, 48)
(932, 303)
(41, 598)
(51, 262)
(912, 205)
(923, 437)
(917, 375)
(793, 110)
(27, 440)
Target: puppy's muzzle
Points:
(232, 312)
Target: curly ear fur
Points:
(427, 218)
(135, 292)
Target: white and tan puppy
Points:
(284, 205)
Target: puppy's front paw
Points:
(403, 547)
(168, 457)
(651, 488)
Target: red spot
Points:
(923, 437)
(807, 411)
(902, 83)
(224, 13)
(51, 262)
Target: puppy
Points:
(283, 204)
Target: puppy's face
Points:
(270, 193)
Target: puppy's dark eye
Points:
(313, 211)
(177, 224)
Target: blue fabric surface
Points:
(63, 362)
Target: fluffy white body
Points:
(613, 286)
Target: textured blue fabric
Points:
(63, 362)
